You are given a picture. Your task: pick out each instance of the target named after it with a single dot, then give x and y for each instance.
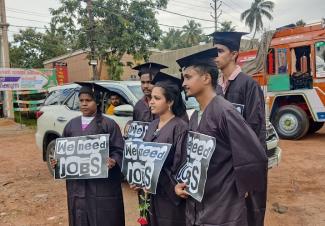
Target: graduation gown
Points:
(245, 91)
(97, 202)
(141, 111)
(236, 167)
(166, 208)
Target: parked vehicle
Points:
(62, 104)
(293, 71)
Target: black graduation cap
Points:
(92, 89)
(162, 77)
(229, 39)
(149, 68)
(205, 58)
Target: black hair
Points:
(211, 70)
(172, 93)
(150, 73)
(96, 97)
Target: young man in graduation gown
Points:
(241, 89)
(96, 202)
(237, 165)
(147, 72)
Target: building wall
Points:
(79, 70)
(169, 58)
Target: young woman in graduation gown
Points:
(237, 165)
(166, 208)
(96, 202)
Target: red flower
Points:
(142, 221)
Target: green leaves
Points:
(253, 15)
(121, 26)
(30, 48)
(144, 205)
(190, 35)
(227, 26)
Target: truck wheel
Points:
(315, 126)
(50, 154)
(291, 122)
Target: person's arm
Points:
(116, 144)
(66, 133)
(254, 111)
(167, 177)
(248, 155)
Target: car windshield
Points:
(57, 96)
(137, 91)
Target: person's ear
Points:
(170, 104)
(234, 55)
(207, 79)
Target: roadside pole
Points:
(4, 57)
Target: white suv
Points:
(62, 105)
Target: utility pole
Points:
(215, 5)
(4, 57)
(93, 60)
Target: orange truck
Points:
(290, 66)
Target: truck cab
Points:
(293, 77)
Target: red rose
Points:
(142, 221)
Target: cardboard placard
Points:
(193, 173)
(142, 163)
(82, 157)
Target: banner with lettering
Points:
(27, 79)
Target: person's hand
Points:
(53, 163)
(180, 190)
(145, 190)
(134, 187)
(110, 163)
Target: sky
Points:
(35, 13)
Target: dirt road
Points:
(30, 197)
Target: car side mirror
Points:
(124, 110)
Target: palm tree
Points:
(172, 40)
(227, 26)
(192, 33)
(253, 15)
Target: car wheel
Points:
(315, 126)
(291, 122)
(50, 149)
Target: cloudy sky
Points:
(35, 13)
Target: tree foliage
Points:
(254, 15)
(190, 35)
(120, 26)
(30, 48)
(227, 26)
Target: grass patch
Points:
(27, 119)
